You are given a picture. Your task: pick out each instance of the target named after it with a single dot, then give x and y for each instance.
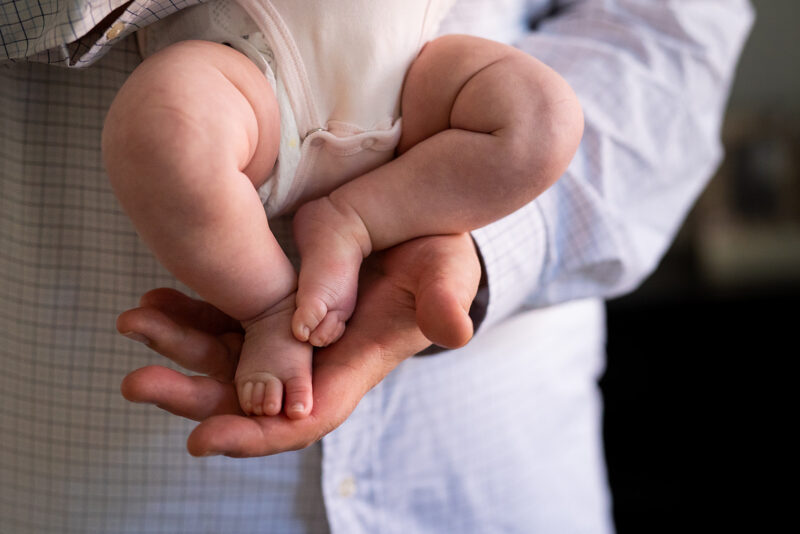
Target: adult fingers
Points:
(188, 311)
(193, 349)
(193, 397)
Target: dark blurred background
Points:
(697, 389)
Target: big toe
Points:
(299, 399)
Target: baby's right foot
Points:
(332, 241)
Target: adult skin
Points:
(411, 295)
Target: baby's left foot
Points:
(332, 241)
(274, 370)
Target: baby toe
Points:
(329, 330)
(309, 314)
(260, 394)
(299, 399)
(273, 393)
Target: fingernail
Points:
(298, 408)
(136, 336)
(305, 332)
(211, 453)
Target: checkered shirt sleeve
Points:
(74, 33)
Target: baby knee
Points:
(547, 126)
(193, 101)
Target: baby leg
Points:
(187, 140)
(486, 128)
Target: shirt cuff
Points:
(513, 253)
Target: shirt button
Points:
(115, 30)
(347, 487)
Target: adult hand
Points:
(414, 294)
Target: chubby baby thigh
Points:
(210, 101)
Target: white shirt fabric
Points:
(500, 436)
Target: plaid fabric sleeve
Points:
(74, 33)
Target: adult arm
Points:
(653, 78)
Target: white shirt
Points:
(501, 436)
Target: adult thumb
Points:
(445, 290)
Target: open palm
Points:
(414, 294)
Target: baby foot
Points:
(332, 241)
(274, 370)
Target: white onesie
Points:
(337, 68)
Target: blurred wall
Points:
(699, 358)
(769, 71)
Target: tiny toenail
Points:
(136, 336)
